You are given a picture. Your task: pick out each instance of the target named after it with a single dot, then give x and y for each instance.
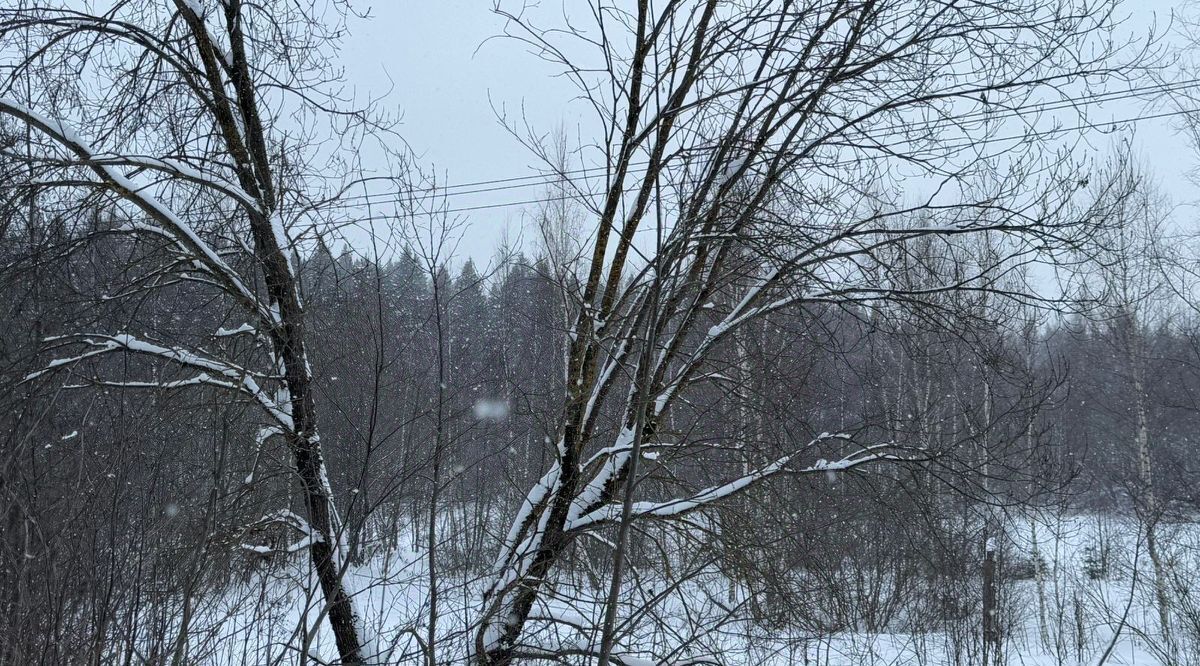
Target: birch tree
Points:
(1134, 298)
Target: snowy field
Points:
(1091, 601)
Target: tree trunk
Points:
(287, 338)
(325, 552)
(1149, 500)
(1039, 576)
(991, 623)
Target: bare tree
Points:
(201, 128)
(1131, 291)
(779, 142)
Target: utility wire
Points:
(586, 173)
(541, 179)
(949, 147)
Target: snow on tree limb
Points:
(172, 225)
(174, 168)
(234, 376)
(516, 555)
(708, 496)
(291, 519)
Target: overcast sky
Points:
(449, 80)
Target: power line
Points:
(959, 146)
(534, 180)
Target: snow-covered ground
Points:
(1095, 603)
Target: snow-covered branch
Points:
(289, 518)
(709, 496)
(228, 375)
(172, 225)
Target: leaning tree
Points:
(760, 157)
(214, 135)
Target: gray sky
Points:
(449, 80)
